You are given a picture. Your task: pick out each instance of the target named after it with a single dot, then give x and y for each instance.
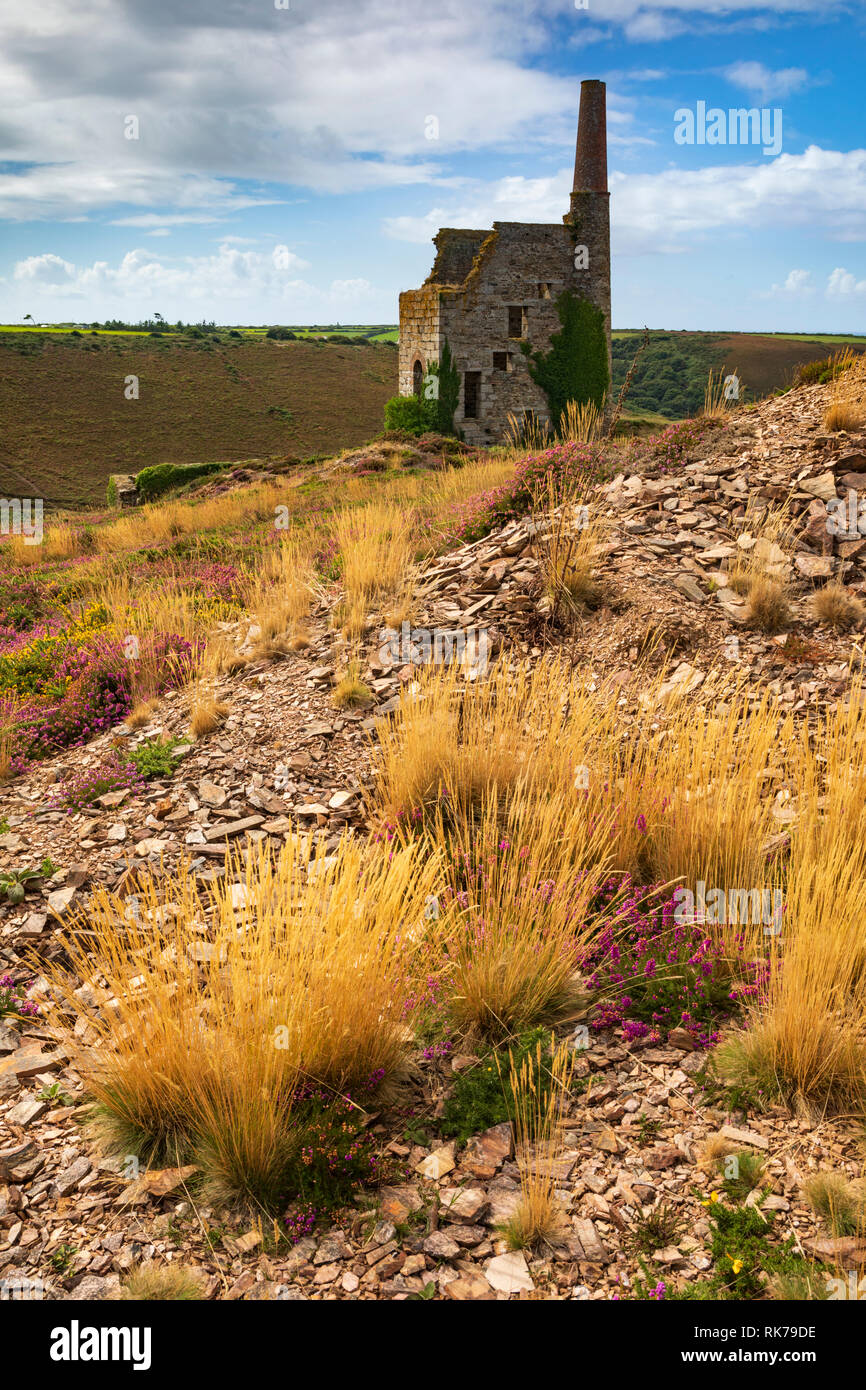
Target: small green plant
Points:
(15, 883)
(155, 758)
(743, 1257)
(428, 1292)
(659, 1228)
(55, 1094)
(61, 1258)
(647, 1130)
(48, 868)
(742, 1173)
(481, 1097)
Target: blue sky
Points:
(291, 165)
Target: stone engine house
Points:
(491, 291)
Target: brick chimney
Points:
(590, 163)
(589, 212)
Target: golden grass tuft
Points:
(293, 968)
(207, 711)
(568, 536)
(149, 1282)
(847, 407)
(769, 608)
(350, 692)
(840, 1203)
(539, 1103)
(836, 608)
(141, 714)
(718, 398)
(513, 964)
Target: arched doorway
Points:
(417, 377)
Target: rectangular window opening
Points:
(471, 394)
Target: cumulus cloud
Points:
(843, 284)
(266, 284)
(332, 96)
(824, 190)
(761, 82)
(797, 283)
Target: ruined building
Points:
(497, 298)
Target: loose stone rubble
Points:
(284, 760)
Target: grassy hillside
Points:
(66, 422)
(671, 375)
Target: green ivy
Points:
(576, 367)
(449, 390)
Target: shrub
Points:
(410, 414)
(155, 759)
(161, 477)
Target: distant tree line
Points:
(671, 376)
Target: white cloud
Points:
(842, 283)
(264, 285)
(763, 83)
(47, 269)
(824, 190)
(333, 96)
(797, 283)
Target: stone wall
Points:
(524, 267)
(420, 337)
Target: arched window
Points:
(417, 377)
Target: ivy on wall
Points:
(449, 390)
(434, 408)
(576, 367)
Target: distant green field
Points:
(84, 332)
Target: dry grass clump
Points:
(200, 1023)
(806, 1039)
(680, 789)
(719, 397)
(760, 569)
(350, 692)
(841, 1204)
(149, 1282)
(141, 714)
(763, 545)
(847, 407)
(538, 1111)
(769, 608)
(280, 597)
(140, 616)
(207, 711)
(525, 882)
(376, 551)
(580, 423)
(833, 605)
(568, 536)
(527, 433)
